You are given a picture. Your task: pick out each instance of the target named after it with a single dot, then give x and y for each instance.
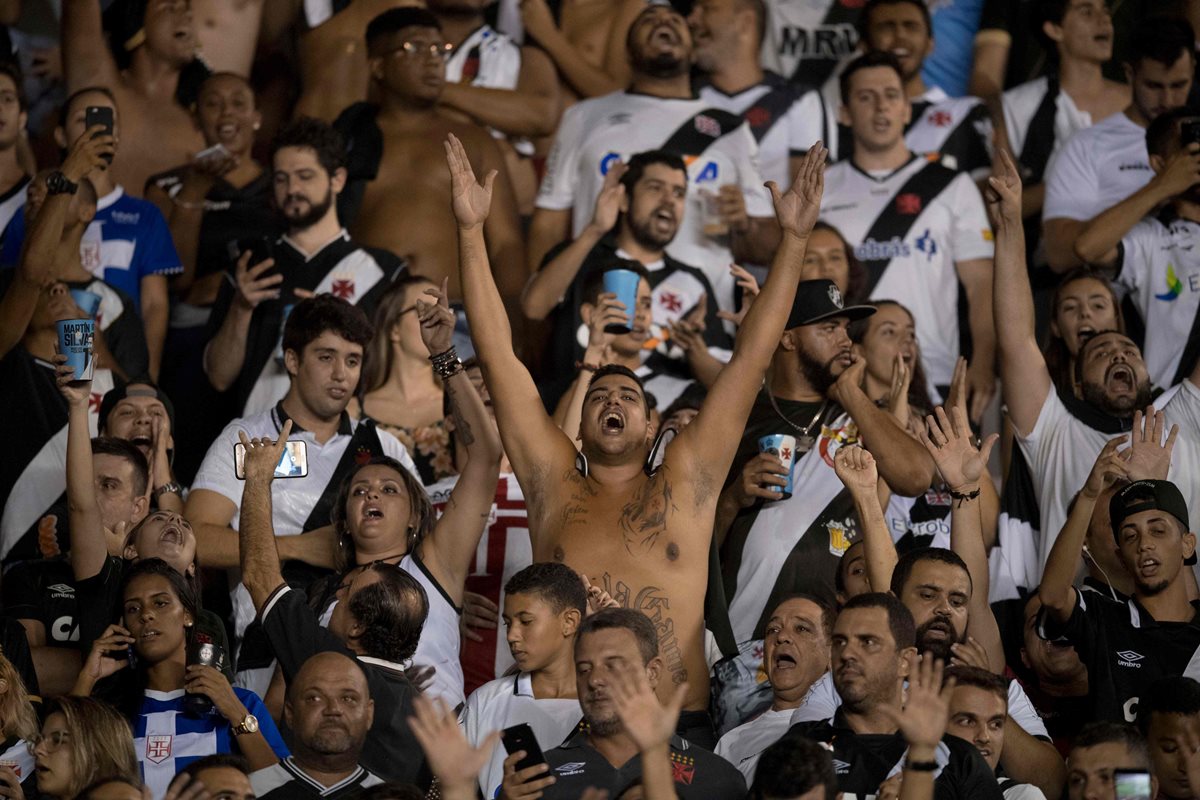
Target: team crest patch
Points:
(683, 773)
(835, 295)
(343, 289)
(758, 116)
(908, 203)
(840, 534)
(708, 126)
(832, 439)
(158, 748)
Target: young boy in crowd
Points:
(543, 606)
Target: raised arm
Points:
(1023, 370)
(708, 444)
(261, 570)
(226, 352)
(86, 57)
(584, 78)
(534, 445)
(531, 109)
(856, 469)
(88, 547)
(449, 550)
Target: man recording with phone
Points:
(1147, 243)
(322, 347)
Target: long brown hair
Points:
(1058, 357)
(17, 717)
(421, 515)
(377, 363)
(918, 386)
(100, 740)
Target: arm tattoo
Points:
(462, 429)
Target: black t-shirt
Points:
(864, 761)
(699, 774)
(230, 215)
(357, 274)
(391, 751)
(1125, 649)
(44, 590)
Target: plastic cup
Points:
(75, 338)
(784, 446)
(88, 302)
(624, 284)
(712, 223)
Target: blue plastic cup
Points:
(75, 338)
(88, 302)
(784, 446)
(624, 284)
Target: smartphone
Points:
(260, 248)
(217, 151)
(100, 115)
(1132, 784)
(292, 464)
(520, 737)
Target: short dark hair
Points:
(13, 70)
(1112, 732)
(900, 619)
(625, 372)
(638, 163)
(554, 582)
(1164, 130)
(980, 679)
(112, 446)
(1053, 11)
(391, 612)
(313, 316)
(318, 136)
(864, 19)
(78, 93)
(635, 622)
(593, 284)
(1173, 695)
(828, 615)
(217, 761)
(1162, 39)
(395, 20)
(791, 767)
(1086, 342)
(908, 561)
(875, 58)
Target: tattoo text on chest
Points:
(651, 601)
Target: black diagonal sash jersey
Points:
(864, 761)
(1125, 650)
(806, 41)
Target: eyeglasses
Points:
(417, 49)
(53, 742)
(405, 311)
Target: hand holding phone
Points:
(100, 115)
(520, 737)
(293, 462)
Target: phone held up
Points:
(292, 464)
(1132, 784)
(100, 115)
(520, 737)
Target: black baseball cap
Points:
(819, 300)
(1147, 495)
(137, 388)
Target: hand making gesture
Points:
(1148, 456)
(262, 455)
(437, 320)
(856, 469)
(471, 201)
(950, 441)
(797, 209)
(1003, 193)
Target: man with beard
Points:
(636, 217)
(1060, 434)
(396, 146)
(611, 644)
(772, 545)
(316, 255)
(1151, 250)
(329, 711)
(660, 112)
(873, 654)
(1156, 633)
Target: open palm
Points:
(797, 209)
(471, 201)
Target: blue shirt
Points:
(127, 240)
(167, 739)
(955, 23)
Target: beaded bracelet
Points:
(446, 365)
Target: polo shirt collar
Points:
(345, 426)
(1139, 617)
(523, 685)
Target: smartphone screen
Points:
(292, 464)
(100, 115)
(520, 737)
(1132, 784)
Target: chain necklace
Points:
(805, 440)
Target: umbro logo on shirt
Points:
(571, 768)
(1128, 658)
(61, 590)
(840, 767)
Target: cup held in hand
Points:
(624, 284)
(75, 341)
(784, 446)
(88, 302)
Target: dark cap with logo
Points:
(819, 300)
(1148, 495)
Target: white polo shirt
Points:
(1097, 168)
(743, 745)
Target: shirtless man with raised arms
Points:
(642, 537)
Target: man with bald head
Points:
(329, 711)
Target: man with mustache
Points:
(315, 256)
(329, 711)
(772, 546)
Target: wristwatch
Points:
(57, 183)
(171, 487)
(248, 725)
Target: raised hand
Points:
(970, 654)
(923, 719)
(855, 467)
(647, 722)
(76, 392)
(109, 654)
(597, 598)
(612, 192)
(898, 392)
(262, 455)
(1109, 467)
(1003, 193)
(608, 310)
(750, 289)
(90, 151)
(437, 320)
(452, 759)
(252, 285)
(1148, 455)
(471, 201)
(797, 209)
(950, 441)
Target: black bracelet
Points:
(962, 497)
(920, 766)
(446, 365)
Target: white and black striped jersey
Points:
(957, 128)
(807, 39)
(743, 745)
(1097, 168)
(287, 781)
(1039, 118)
(909, 228)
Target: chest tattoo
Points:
(654, 603)
(644, 517)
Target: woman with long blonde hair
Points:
(82, 740)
